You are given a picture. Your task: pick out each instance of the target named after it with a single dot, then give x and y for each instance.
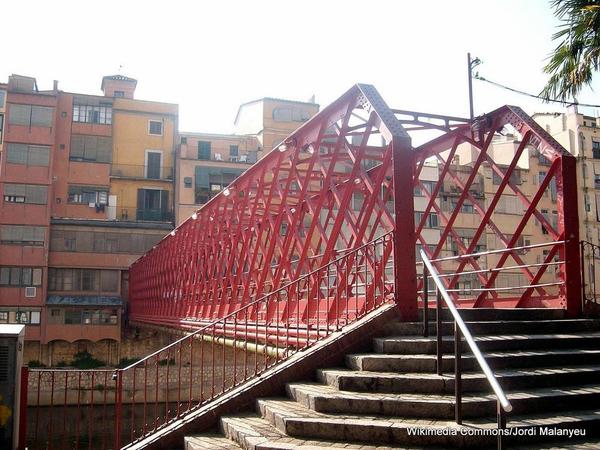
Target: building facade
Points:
(207, 163)
(87, 185)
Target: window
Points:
(542, 160)
(210, 181)
(83, 280)
(22, 317)
(3, 316)
(153, 204)
(101, 242)
(187, 182)
(119, 94)
(233, 152)
(515, 177)
(430, 222)
(87, 194)
(34, 317)
(91, 148)
(20, 276)
(155, 127)
(596, 149)
(26, 193)
(204, 150)
(429, 186)
(72, 317)
(2, 98)
(100, 114)
(30, 115)
(184, 139)
(290, 114)
(30, 155)
(22, 235)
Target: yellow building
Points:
(143, 159)
(207, 162)
(271, 120)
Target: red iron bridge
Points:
(316, 235)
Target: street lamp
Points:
(471, 64)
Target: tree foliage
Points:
(572, 64)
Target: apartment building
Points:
(86, 185)
(530, 171)
(207, 162)
(580, 135)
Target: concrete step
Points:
(254, 433)
(298, 421)
(209, 442)
(485, 314)
(419, 344)
(498, 327)
(496, 360)
(431, 383)
(326, 399)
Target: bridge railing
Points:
(104, 409)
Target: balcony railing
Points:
(143, 172)
(144, 214)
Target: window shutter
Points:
(77, 146)
(41, 116)
(16, 153)
(19, 114)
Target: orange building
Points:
(70, 222)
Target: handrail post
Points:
(24, 387)
(425, 301)
(119, 407)
(457, 375)
(501, 425)
(582, 254)
(438, 321)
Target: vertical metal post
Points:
(405, 270)
(22, 438)
(425, 301)
(470, 77)
(457, 375)
(582, 255)
(438, 323)
(569, 216)
(119, 408)
(501, 425)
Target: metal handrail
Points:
(460, 327)
(494, 252)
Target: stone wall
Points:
(135, 343)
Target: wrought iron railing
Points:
(147, 172)
(460, 329)
(104, 409)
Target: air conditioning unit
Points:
(218, 157)
(233, 158)
(30, 291)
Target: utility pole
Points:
(471, 64)
(470, 70)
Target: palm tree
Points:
(577, 57)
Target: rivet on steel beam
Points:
(226, 192)
(194, 216)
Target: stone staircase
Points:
(392, 398)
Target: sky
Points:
(211, 56)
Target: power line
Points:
(479, 77)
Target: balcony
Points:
(149, 172)
(144, 214)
